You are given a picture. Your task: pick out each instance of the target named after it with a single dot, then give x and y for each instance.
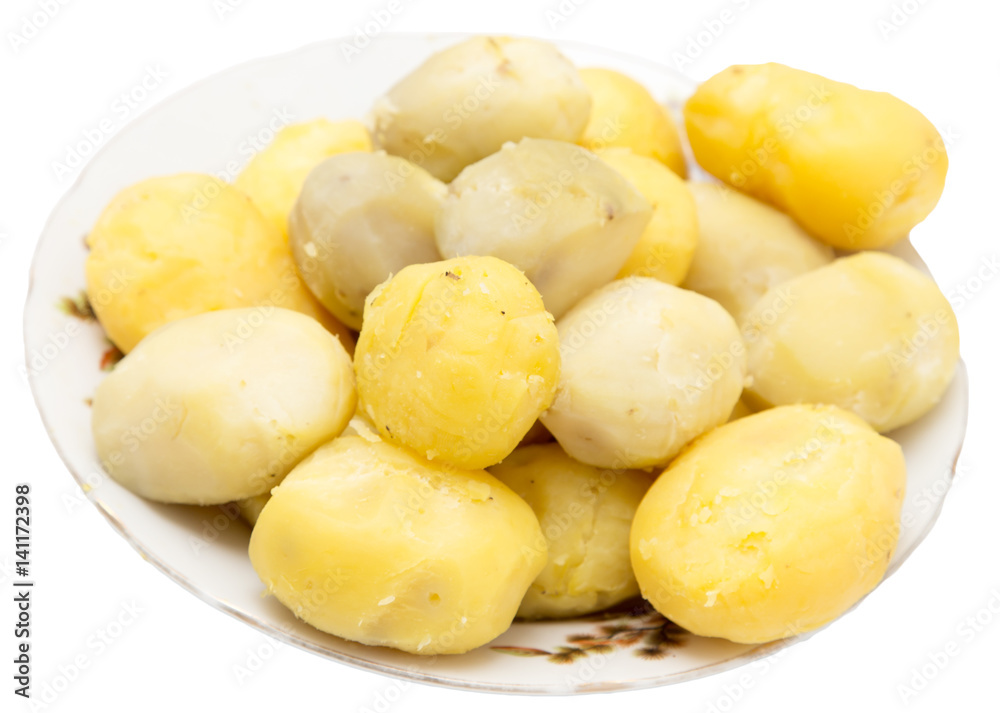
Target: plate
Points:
(215, 126)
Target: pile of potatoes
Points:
(458, 368)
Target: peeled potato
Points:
(667, 245)
(250, 508)
(371, 543)
(464, 103)
(274, 177)
(176, 246)
(550, 208)
(585, 514)
(220, 406)
(770, 526)
(646, 367)
(745, 248)
(457, 359)
(858, 169)
(869, 333)
(360, 218)
(626, 115)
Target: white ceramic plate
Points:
(211, 127)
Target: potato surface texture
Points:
(666, 247)
(646, 367)
(457, 359)
(585, 514)
(858, 169)
(176, 246)
(626, 115)
(465, 102)
(771, 525)
(369, 542)
(552, 209)
(220, 406)
(360, 218)
(869, 333)
(746, 247)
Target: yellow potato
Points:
(176, 246)
(457, 359)
(220, 406)
(626, 115)
(858, 169)
(550, 208)
(274, 177)
(770, 526)
(250, 508)
(741, 409)
(467, 101)
(360, 218)
(667, 245)
(745, 248)
(585, 514)
(646, 367)
(369, 542)
(868, 333)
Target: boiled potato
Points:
(360, 218)
(176, 246)
(274, 177)
(464, 103)
(646, 367)
(741, 409)
(626, 115)
(666, 247)
(585, 514)
(869, 333)
(369, 542)
(220, 406)
(745, 248)
(858, 169)
(552, 209)
(250, 508)
(457, 359)
(770, 526)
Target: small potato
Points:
(369, 542)
(457, 359)
(667, 245)
(858, 169)
(745, 248)
(646, 367)
(770, 526)
(176, 246)
(360, 218)
(626, 115)
(274, 177)
(585, 514)
(220, 406)
(466, 102)
(869, 333)
(552, 209)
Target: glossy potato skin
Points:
(360, 218)
(887, 351)
(585, 514)
(772, 525)
(467, 101)
(626, 115)
(856, 168)
(646, 367)
(552, 209)
(457, 359)
(220, 406)
(667, 245)
(176, 246)
(370, 542)
(746, 247)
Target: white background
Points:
(179, 654)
